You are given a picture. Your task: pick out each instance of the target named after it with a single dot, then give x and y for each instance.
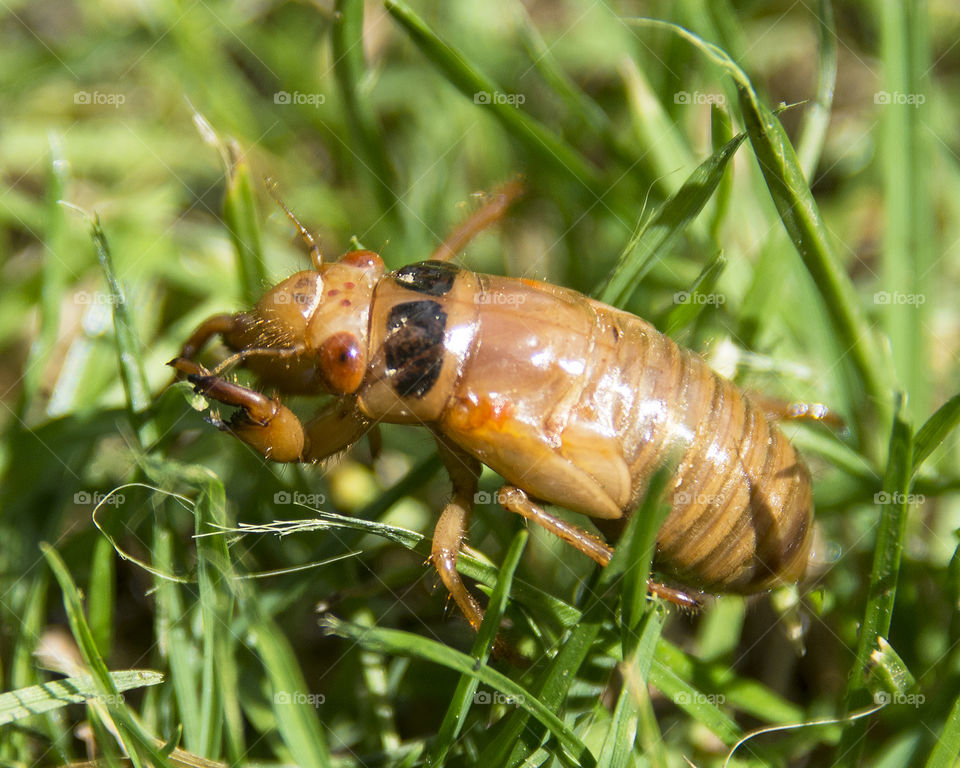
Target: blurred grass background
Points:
(162, 119)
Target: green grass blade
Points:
(399, 643)
(56, 274)
(468, 79)
(26, 702)
(467, 687)
(698, 705)
(718, 679)
(656, 238)
(129, 349)
(816, 117)
(242, 219)
(138, 744)
(174, 638)
(691, 303)
(349, 68)
(905, 159)
(944, 754)
(103, 593)
(296, 718)
(213, 568)
(801, 218)
(935, 431)
(894, 500)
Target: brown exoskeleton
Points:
(574, 402)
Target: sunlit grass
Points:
(331, 643)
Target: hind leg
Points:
(515, 500)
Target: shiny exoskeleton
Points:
(573, 402)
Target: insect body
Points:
(573, 402)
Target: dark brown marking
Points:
(414, 346)
(434, 278)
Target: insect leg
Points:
(263, 423)
(208, 328)
(492, 210)
(452, 527)
(515, 500)
(268, 426)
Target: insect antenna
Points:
(315, 256)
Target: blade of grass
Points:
(883, 579)
(935, 431)
(26, 702)
(721, 131)
(801, 218)
(656, 237)
(102, 594)
(174, 640)
(944, 753)
(398, 643)
(348, 69)
(816, 117)
(467, 687)
(129, 349)
(242, 220)
(55, 275)
(296, 717)
(694, 300)
(908, 252)
(137, 743)
(518, 739)
(468, 79)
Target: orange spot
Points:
(484, 413)
(363, 259)
(531, 283)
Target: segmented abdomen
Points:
(741, 497)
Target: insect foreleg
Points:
(272, 429)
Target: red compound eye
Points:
(341, 362)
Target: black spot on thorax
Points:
(413, 346)
(434, 278)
